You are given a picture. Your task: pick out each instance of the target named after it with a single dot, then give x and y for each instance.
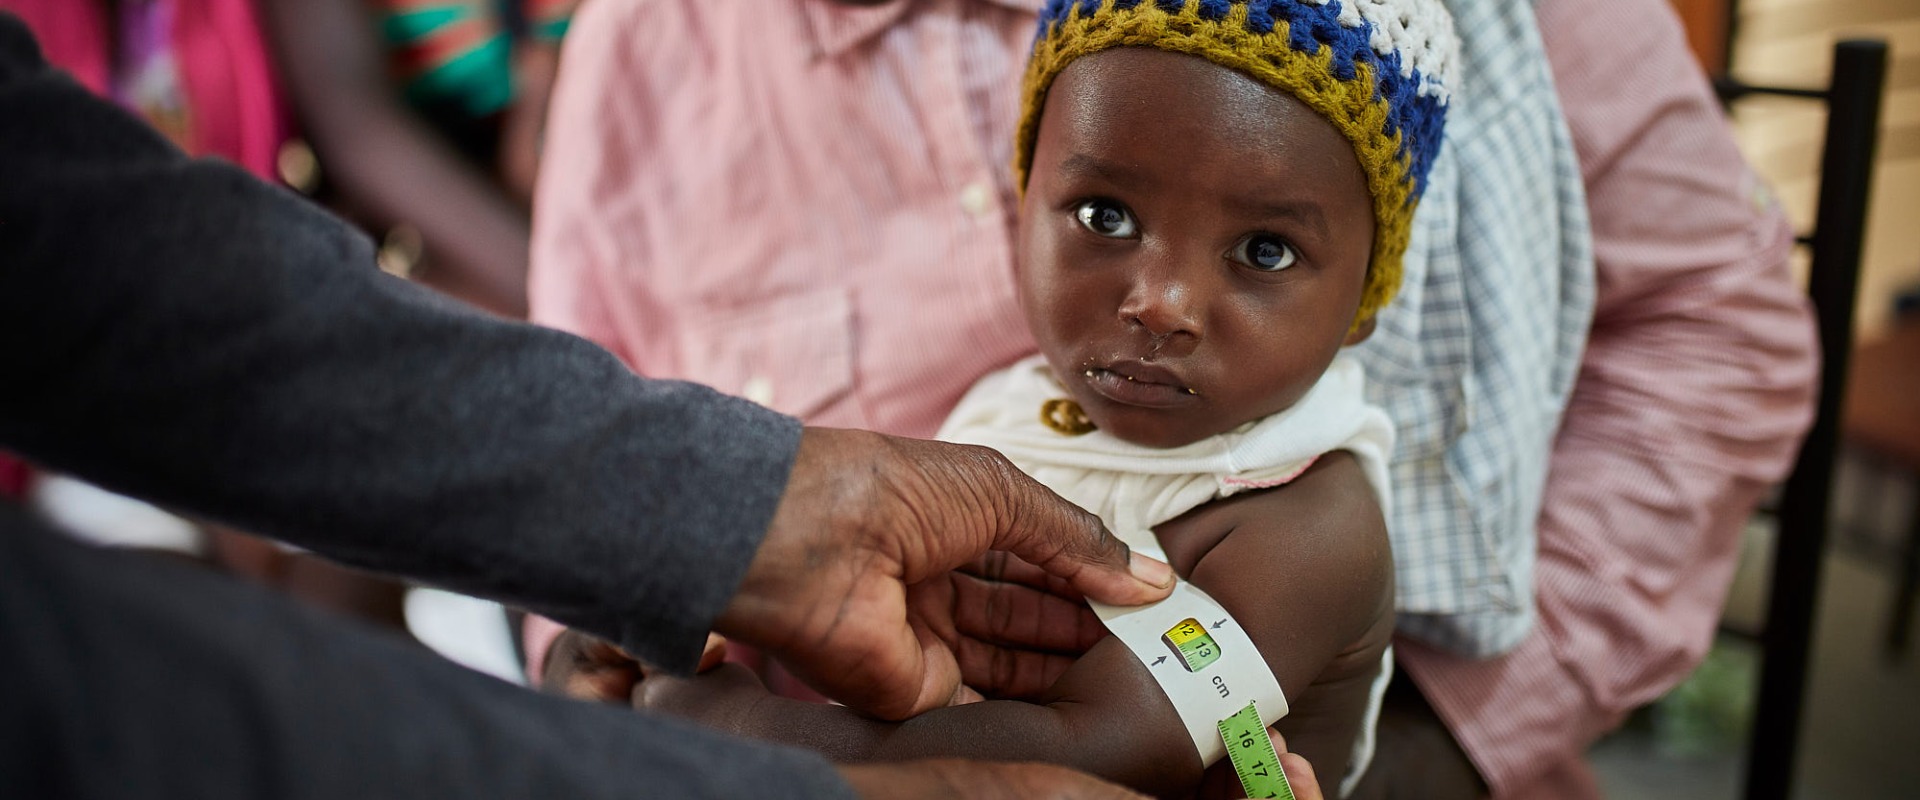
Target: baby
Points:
(1216, 199)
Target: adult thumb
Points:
(1066, 541)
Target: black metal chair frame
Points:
(1846, 172)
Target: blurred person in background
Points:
(426, 116)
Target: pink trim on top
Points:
(1267, 484)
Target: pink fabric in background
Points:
(227, 73)
(75, 36)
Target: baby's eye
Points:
(1264, 252)
(1107, 218)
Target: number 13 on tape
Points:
(1253, 756)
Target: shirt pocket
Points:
(792, 353)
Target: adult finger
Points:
(713, 653)
(1071, 544)
(896, 668)
(1022, 617)
(1005, 567)
(1300, 775)
(968, 623)
(1306, 785)
(1007, 673)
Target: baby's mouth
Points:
(1136, 383)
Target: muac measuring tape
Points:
(1209, 668)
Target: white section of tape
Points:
(1215, 691)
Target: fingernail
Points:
(1152, 572)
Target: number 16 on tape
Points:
(1253, 756)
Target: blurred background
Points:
(1860, 736)
(421, 120)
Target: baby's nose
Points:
(1165, 305)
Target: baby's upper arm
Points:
(1307, 570)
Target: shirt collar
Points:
(837, 27)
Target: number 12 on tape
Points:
(1253, 756)
(1191, 642)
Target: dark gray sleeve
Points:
(178, 331)
(123, 676)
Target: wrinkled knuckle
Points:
(995, 466)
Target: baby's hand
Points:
(585, 667)
(722, 698)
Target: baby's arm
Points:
(1304, 568)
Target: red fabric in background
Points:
(14, 477)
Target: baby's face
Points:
(1193, 244)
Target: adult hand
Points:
(864, 517)
(1013, 628)
(978, 780)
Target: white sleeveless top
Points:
(1131, 487)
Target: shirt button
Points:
(977, 199)
(759, 390)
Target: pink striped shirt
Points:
(797, 202)
(808, 204)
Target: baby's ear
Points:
(1361, 330)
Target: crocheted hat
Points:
(1376, 69)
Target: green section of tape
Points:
(1190, 641)
(1254, 759)
(1199, 653)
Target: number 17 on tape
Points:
(1253, 756)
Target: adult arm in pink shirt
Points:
(1695, 389)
